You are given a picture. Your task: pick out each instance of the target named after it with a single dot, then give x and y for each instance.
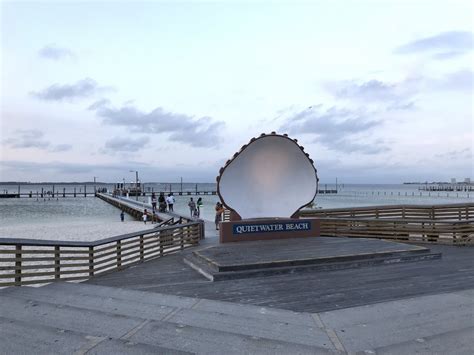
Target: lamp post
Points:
(136, 182)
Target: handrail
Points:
(458, 211)
(440, 224)
(94, 243)
(460, 233)
(30, 261)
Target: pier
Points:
(53, 193)
(165, 306)
(448, 187)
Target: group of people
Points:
(168, 202)
(163, 203)
(154, 218)
(195, 207)
(195, 210)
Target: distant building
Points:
(467, 180)
(453, 180)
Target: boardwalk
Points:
(164, 306)
(310, 292)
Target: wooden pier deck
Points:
(164, 306)
(306, 292)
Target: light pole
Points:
(136, 182)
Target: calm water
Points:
(62, 210)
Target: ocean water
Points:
(63, 210)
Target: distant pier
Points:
(448, 187)
(91, 192)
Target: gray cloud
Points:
(54, 52)
(99, 104)
(67, 171)
(200, 132)
(125, 144)
(444, 45)
(28, 138)
(337, 129)
(33, 138)
(393, 96)
(465, 153)
(373, 90)
(61, 148)
(389, 96)
(68, 92)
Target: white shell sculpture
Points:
(271, 177)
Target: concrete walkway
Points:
(67, 318)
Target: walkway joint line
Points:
(331, 333)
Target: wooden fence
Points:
(28, 261)
(442, 224)
(406, 230)
(457, 211)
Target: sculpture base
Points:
(268, 229)
(287, 256)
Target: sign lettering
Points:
(271, 227)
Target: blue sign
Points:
(293, 226)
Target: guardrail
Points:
(457, 211)
(28, 261)
(441, 224)
(405, 230)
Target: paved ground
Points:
(70, 318)
(163, 306)
(306, 292)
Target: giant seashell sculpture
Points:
(270, 177)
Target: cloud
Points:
(461, 80)
(54, 52)
(28, 138)
(399, 96)
(124, 144)
(33, 138)
(337, 129)
(465, 153)
(61, 148)
(390, 96)
(444, 45)
(200, 132)
(69, 92)
(112, 172)
(373, 90)
(99, 104)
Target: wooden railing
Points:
(458, 211)
(28, 261)
(407, 230)
(441, 224)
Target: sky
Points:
(376, 91)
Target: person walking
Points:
(122, 216)
(199, 204)
(162, 202)
(153, 201)
(145, 216)
(219, 211)
(170, 201)
(192, 206)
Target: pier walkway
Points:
(164, 306)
